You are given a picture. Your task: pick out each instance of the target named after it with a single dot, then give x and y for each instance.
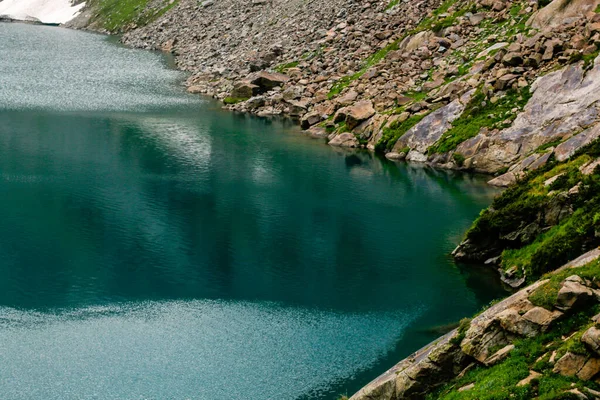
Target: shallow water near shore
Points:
(153, 245)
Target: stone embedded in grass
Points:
(573, 293)
(591, 338)
(569, 364)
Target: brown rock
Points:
(244, 90)
(569, 364)
(345, 139)
(268, 80)
(310, 119)
(359, 112)
(589, 369)
(591, 338)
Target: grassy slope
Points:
(116, 16)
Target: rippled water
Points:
(155, 246)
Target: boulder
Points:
(569, 364)
(589, 369)
(360, 111)
(310, 119)
(500, 355)
(532, 375)
(347, 98)
(268, 80)
(542, 317)
(345, 139)
(512, 322)
(244, 90)
(573, 293)
(561, 12)
(591, 338)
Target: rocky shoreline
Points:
(403, 79)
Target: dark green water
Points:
(153, 246)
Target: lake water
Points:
(154, 246)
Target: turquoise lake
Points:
(154, 246)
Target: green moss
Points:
(459, 159)
(284, 67)
(117, 15)
(544, 147)
(395, 131)
(588, 59)
(481, 113)
(526, 203)
(233, 100)
(463, 327)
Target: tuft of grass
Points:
(395, 131)
(284, 67)
(233, 100)
(117, 15)
(459, 159)
(481, 113)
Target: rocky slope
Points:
(458, 84)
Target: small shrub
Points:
(459, 159)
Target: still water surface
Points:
(153, 246)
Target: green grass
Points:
(284, 67)
(116, 15)
(459, 159)
(233, 100)
(544, 147)
(395, 131)
(523, 203)
(481, 113)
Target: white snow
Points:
(47, 11)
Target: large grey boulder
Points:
(563, 103)
(268, 80)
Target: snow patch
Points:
(46, 11)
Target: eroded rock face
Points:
(563, 103)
